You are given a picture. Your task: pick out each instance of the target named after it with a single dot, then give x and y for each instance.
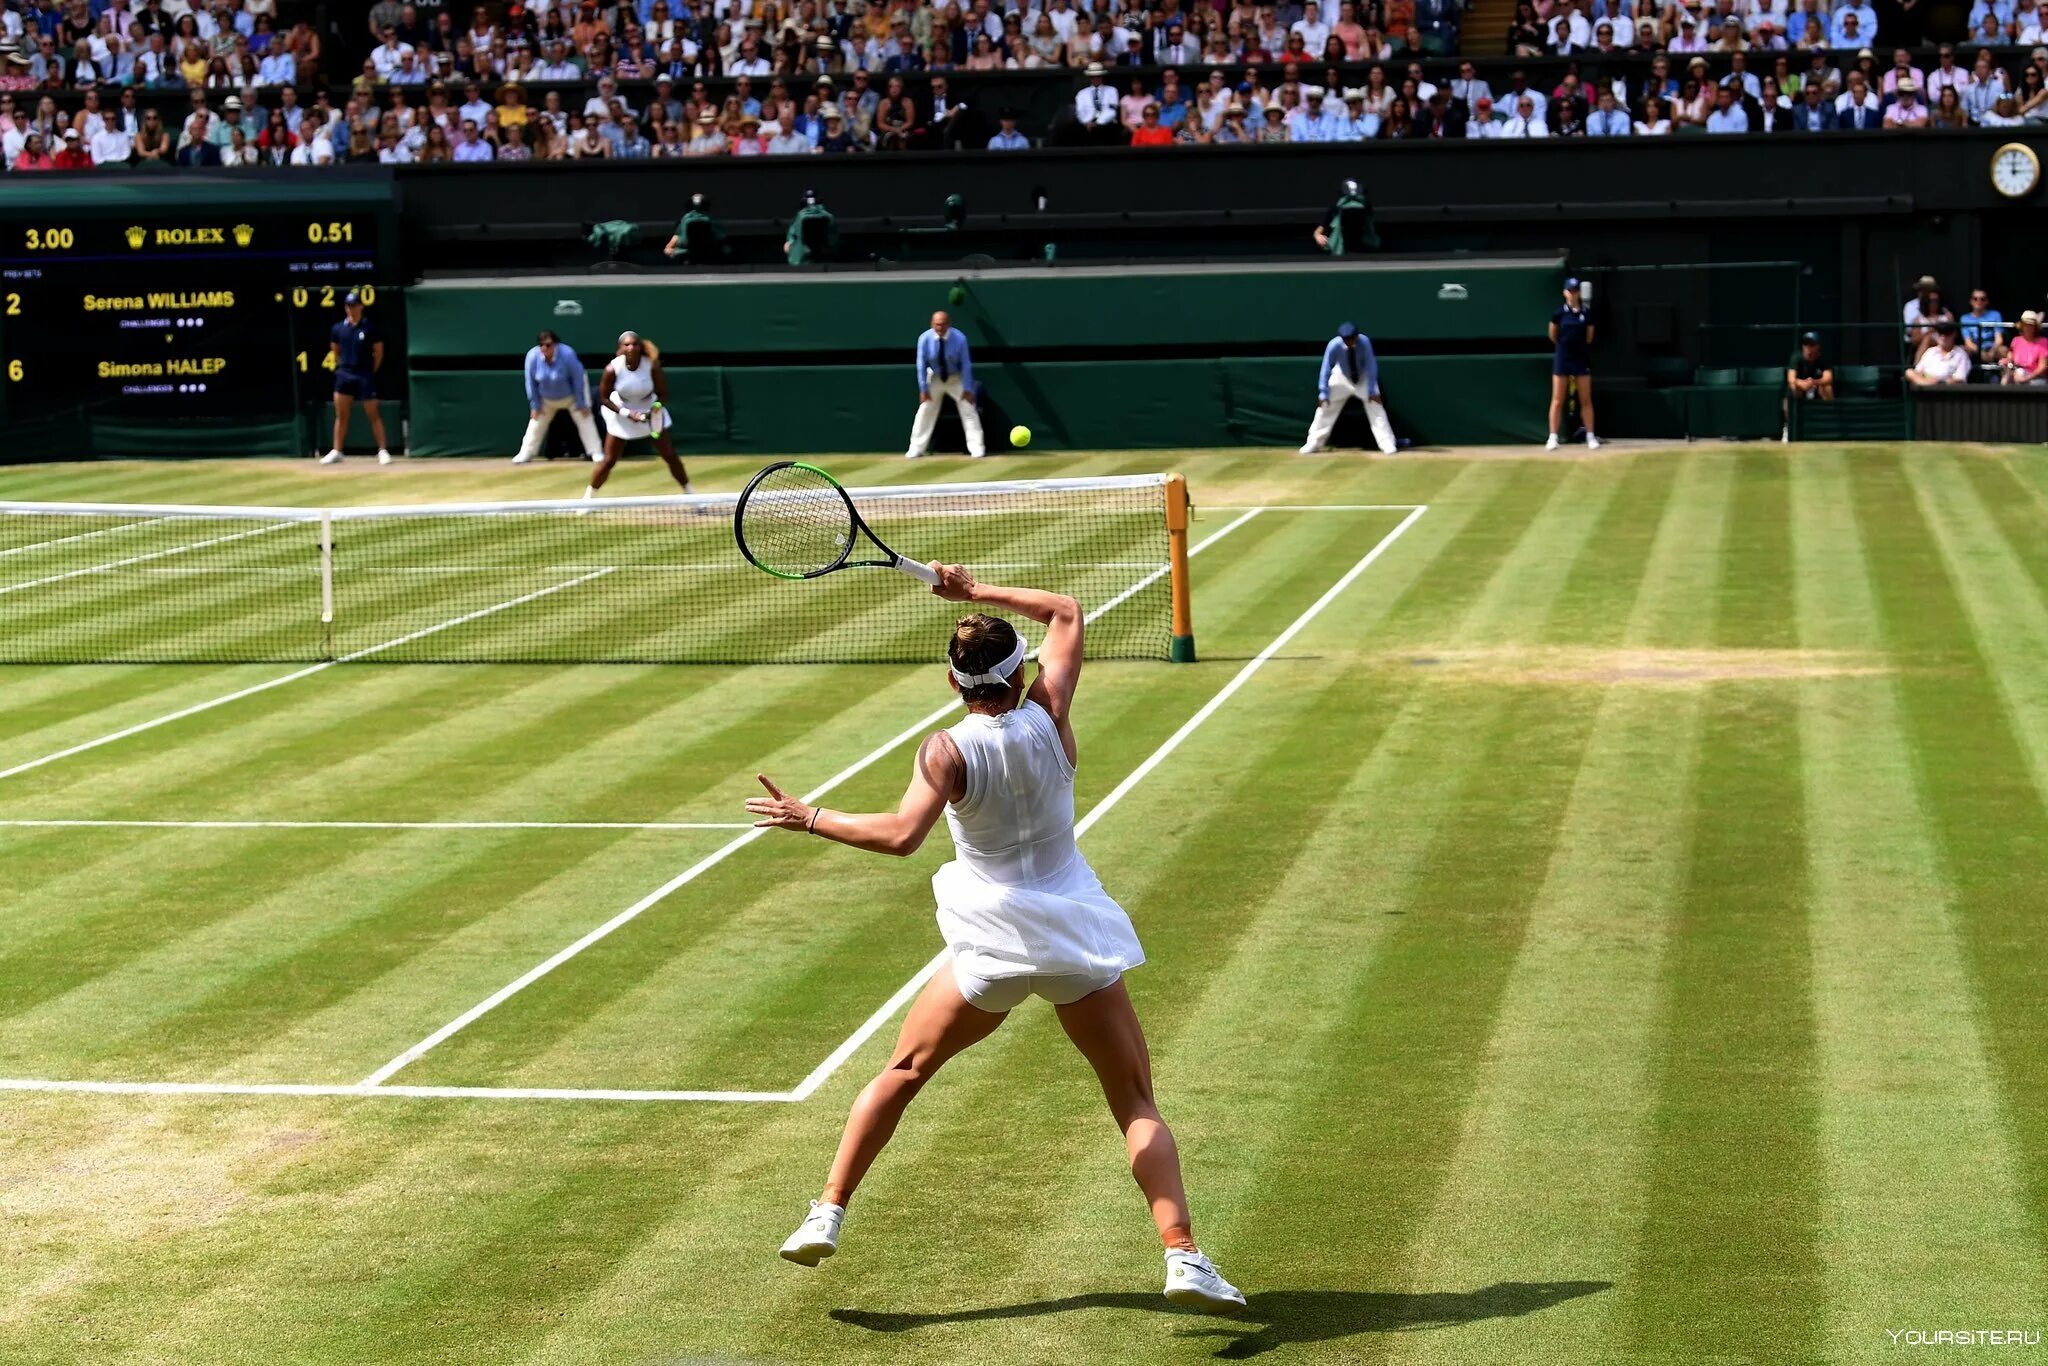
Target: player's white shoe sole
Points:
(816, 1238)
(522, 460)
(1193, 1282)
(331, 458)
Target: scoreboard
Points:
(176, 310)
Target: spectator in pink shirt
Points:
(2027, 358)
(1906, 110)
(1903, 70)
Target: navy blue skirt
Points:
(1569, 365)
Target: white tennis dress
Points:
(632, 387)
(1018, 900)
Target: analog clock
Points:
(2015, 170)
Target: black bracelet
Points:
(811, 826)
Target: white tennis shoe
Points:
(1551, 444)
(817, 1237)
(383, 457)
(1592, 442)
(1193, 1281)
(522, 459)
(331, 458)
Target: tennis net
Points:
(624, 580)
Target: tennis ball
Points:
(1020, 436)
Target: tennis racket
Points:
(796, 522)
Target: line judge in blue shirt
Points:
(554, 381)
(1350, 370)
(944, 370)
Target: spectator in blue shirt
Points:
(1009, 139)
(1607, 121)
(1862, 31)
(1983, 330)
(1728, 116)
(555, 380)
(630, 144)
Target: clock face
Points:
(2015, 170)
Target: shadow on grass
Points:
(1274, 1318)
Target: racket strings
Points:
(796, 522)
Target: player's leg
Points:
(941, 1023)
(1557, 387)
(970, 417)
(537, 423)
(1325, 420)
(667, 449)
(614, 447)
(1584, 381)
(927, 420)
(377, 430)
(1104, 1027)
(344, 404)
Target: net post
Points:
(327, 583)
(1182, 649)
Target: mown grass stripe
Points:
(1953, 600)
(1546, 1184)
(1728, 1254)
(1913, 1118)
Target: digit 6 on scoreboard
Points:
(14, 371)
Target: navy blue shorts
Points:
(355, 384)
(1569, 365)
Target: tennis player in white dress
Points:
(633, 395)
(1021, 911)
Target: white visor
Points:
(1000, 674)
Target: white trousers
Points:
(537, 429)
(927, 420)
(1325, 421)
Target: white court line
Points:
(824, 1070)
(112, 565)
(1318, 507)
(80, 536)
(294, 676)
(376, 825)
(210, 1088)
(721, 854)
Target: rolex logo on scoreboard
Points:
(136, 237)
(244, 234)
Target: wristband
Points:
(811, 826)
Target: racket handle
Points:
(921, 572)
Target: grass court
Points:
(1595, 912)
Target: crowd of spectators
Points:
(253, 82)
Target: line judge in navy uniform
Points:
(358, 353)
(1571, 334)
(1350, 370)
(944, 370)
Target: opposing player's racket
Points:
(796, 522)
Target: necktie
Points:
(1351, 365)
(940, 343)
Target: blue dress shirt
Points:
(563, 379)
(943, 360)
